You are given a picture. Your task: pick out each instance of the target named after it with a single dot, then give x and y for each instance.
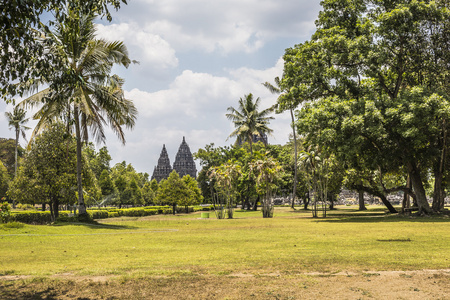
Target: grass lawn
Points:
(217, 258)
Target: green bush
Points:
(5, 212)
(32, 217)
(113, 214)
(98, 214)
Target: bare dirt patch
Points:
(420, 284)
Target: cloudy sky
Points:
(197, 57)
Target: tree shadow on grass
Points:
(394, 218)
(94, 225)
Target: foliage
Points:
(249, 121)
(226, 179)
(82, 90)
(5, 212)
(375, 76)
(267, 171)
(195, 197)
(48, 172)
(126, 186)
(23, 57)
(99, 161)
(7, 154)
(173, 191)
(16, 120)
(4, 180)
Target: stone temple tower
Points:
(163, 169)
(184, 162)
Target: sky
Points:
(196, 59)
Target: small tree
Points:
(173, 191)
(226, 176)
(268, 171)
(195, 192)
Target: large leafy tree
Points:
(248, 120)
(21, 56)
(17, 120)
(376, 72)
(48, 173)
(82, 91)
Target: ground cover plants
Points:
(248, 252)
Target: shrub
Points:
(32, 217)
(113, 214)
(98, 214)
(25, 206)
(5, 212)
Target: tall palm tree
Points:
(82, 92)
(248, 120)
(282, 106)
(17, 121)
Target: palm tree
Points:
(249, 121)
(82, 92)
(282, 106)
(16, 121)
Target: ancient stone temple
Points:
(184, 162)
(163, 169)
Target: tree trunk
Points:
(387, 203)
(438, 195)
(419, 190)
(51, 211)
(362, 206)
(174, 209)
(43, 206)
(15, 152)
(332, 202)
(406, 198)
(56, 208)
(81, 205)
(294, 193)
(255, 205)
(306, 201)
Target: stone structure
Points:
(184, 162)
(255, 138)
(163, 169)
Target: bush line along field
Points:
(290, 244)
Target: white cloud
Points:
(225, 26)
(150, 49)
(194, 106)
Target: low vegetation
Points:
(164, 249)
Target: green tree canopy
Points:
(248, 120)
(375, 73)
(48, 172)
(23, 57)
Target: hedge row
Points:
(35, 217)
(44, 217)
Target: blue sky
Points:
(197, 57)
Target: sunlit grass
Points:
(292, 242)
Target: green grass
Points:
(290, 243)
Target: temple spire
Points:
(163, 169)
(184, 162)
